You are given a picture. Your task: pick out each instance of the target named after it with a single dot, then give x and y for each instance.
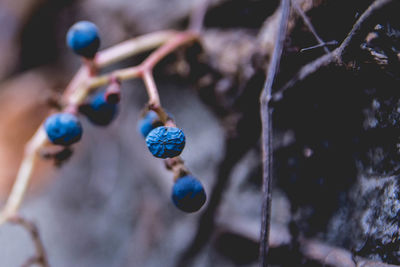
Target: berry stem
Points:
(90, 65)
(133, 47)
(180, 39)
(149, 63)
(154, 98)
(142, 70)
(119, 52)
(73, 109)
(113, 91)
(82, 84)
(24, 174)
(86, 87)
(40, 258)
(177, 166)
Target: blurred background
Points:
(335, 137)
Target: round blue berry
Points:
(98, 110)
(188, 194)
(83, 38)
(148, 123)
(63, 129)
(165, 142)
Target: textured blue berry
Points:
(63, 129)
(98, 110)
(165, 142)
(83, 38)
(148, 123)
(188, 194)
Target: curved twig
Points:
(356, 35)
(30, 227)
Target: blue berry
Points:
(63, 129)
(98, 110)
(165, 142)
(83, 38)
(188, 194)
(148, 123)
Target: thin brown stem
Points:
(266, 118)
(117, 53)
(145, 67)
(149, 63)
(154, 98)
(168, 47)
(90, 65)
(79, 95)
(133, 47)
(40, 257)
(23, 177)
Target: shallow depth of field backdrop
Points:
(336, 137)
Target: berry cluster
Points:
(101, 108)
(188, 193)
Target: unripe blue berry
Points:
(63, 129)
(165, 142)
(188, 194)
(98, 110)
(148, 123)
(83, 38)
